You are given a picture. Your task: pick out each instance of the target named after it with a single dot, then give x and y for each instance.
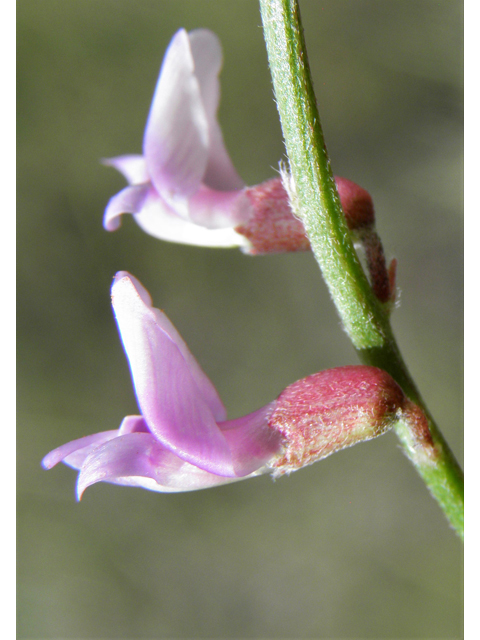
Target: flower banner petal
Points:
(205, 385)
(176, 136)
(168, 393)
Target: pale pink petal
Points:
(129, 200)
(217, 209)
(176, 136)
(169, 396)
(158, 219)
(205, 385)
(220, 173)
(133, 424)
(206, 50)
(134, 454)
(139, 460)
(132, 167)
(252, 441)
(76, 450)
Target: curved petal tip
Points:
(129, 200)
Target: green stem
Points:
(317, 203)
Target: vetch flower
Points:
(184, 188)
(182, 440)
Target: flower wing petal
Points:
(73, 453)
(132, 167)
(176, 136)
(139, 460)
(166, 384)
(129, 200)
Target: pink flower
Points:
(184, 188)
(182, 440)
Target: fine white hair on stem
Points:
(290, 187)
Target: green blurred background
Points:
(352, 547)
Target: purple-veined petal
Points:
(74, 452)
(205, 385)
(129, 200)
(252, 441)
(169, 395)
(138, 459)
(176, 138)
(132, 167)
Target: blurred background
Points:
(351, 547)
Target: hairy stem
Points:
(316, 201)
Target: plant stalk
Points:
(315, 199)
